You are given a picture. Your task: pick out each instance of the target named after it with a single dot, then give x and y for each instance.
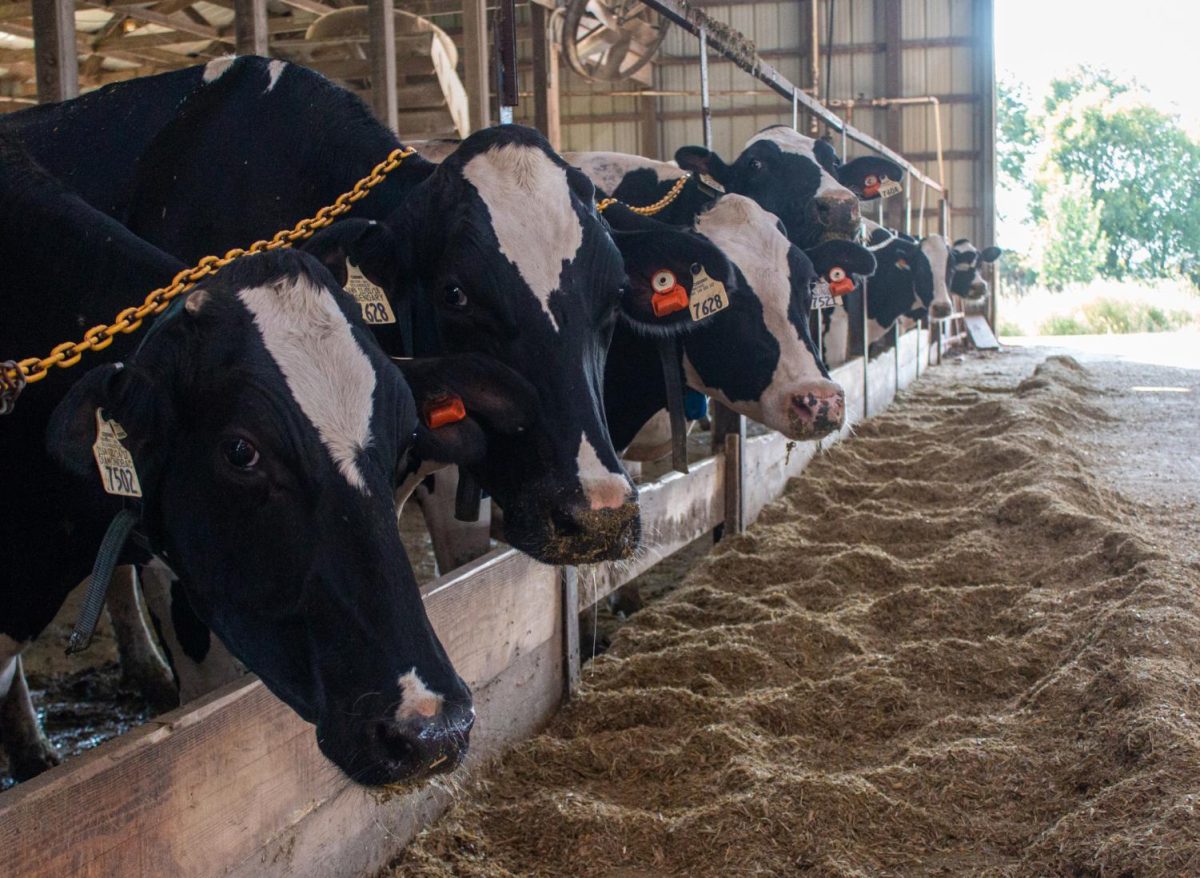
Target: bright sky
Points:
(1154, 41)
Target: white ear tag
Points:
(822, 296)
(708, 295)
(113, 461)
(375, 306)
(888, 188)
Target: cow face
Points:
(268, 430)
(798, 179)
(903, 283)
(955, 270)
(757, 357)
(500, 251)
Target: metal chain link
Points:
(650, 209)
(15, 375)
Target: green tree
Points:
(1018, 134)
(1076, 245)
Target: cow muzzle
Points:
(838, 214)
(392, 749)
(817, 409)
(940, 310)
(583, 534)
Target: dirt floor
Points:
(964, 643)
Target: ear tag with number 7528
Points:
(708, 295)
(375, 306)
(113, 461)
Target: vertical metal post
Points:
(866, 353)
(921, 215)
(381, 33)
(705, 105)
(795, 109)
(250, 27)
(506, 52)
(55, 56)
(475, 62)
(546, 116)
(569, 577)
(907, 210)
(896, 351)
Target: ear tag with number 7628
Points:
(708, 295)
(113, 461)
(375, 306)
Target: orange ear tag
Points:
(840, 283)
(871, 186)
(444, 409)
(669, 296)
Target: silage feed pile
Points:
(947, 650)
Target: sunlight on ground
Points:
(1100, 307)
(1180, 350)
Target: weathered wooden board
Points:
(205, 787)
(980, 333)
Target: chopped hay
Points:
(946, 650)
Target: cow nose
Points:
(837, 211)
(979, 289)
(417, 747)
(582, 534)
(940, 310)
(818, 410)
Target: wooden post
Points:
(570, 621)
(475, 62)
(250, 27)
(546, 114)
(55, 60)
(648, 108)
(381, 18)
(735, 518)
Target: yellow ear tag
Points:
(708, 295)
(113, 461)
(822, 296)
(888, 188)
(375, 306)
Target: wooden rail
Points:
(234, 785)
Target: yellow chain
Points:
(67, 354)
(650, 209)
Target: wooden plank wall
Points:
(234, 784)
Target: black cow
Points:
(267, 430)
(797, 178)
(458, 249)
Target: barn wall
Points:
(945, 51)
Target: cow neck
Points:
(634, 387)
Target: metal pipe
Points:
(814, 58)
(795, 111)
(866, 353)
(921, 215)
(705, 105)
(829, 54)
(931, 100)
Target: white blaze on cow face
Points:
(274, 71)
(608, 169)
(416, 699)
(603, 488)
(532, 212)
(327, 372)
(937, 251)
(750, 238)
(216, 68)
(9, 650)
(794, 143)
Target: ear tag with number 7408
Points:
(708, 295)
(113, 461)
(375, 306)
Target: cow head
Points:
(798, 179)
(757, 356)
(903, 283)
(955, 270)
(268, 431)
(500, 251)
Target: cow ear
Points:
(491, 393)
(855, 173)
(366, 244)
(850, 257)
(124, 395)
(990, 254)
(662, 267)
(699, 160)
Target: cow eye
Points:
(454, 297)
(240, 453)
(755, 164)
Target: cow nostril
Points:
(395, 743)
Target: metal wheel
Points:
(609, 40)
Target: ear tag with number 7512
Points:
(708, 295)
(113, 461)
(375, 306)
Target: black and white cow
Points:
(798, 179)
(267, 430)
(956, 271)
(902, 287)
(456, 249)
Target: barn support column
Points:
(250, 27)
(569, 578)
(55, 60)
(985, 87)
(893, 85)
(475, 62)
(381, 18)
(547, 116)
